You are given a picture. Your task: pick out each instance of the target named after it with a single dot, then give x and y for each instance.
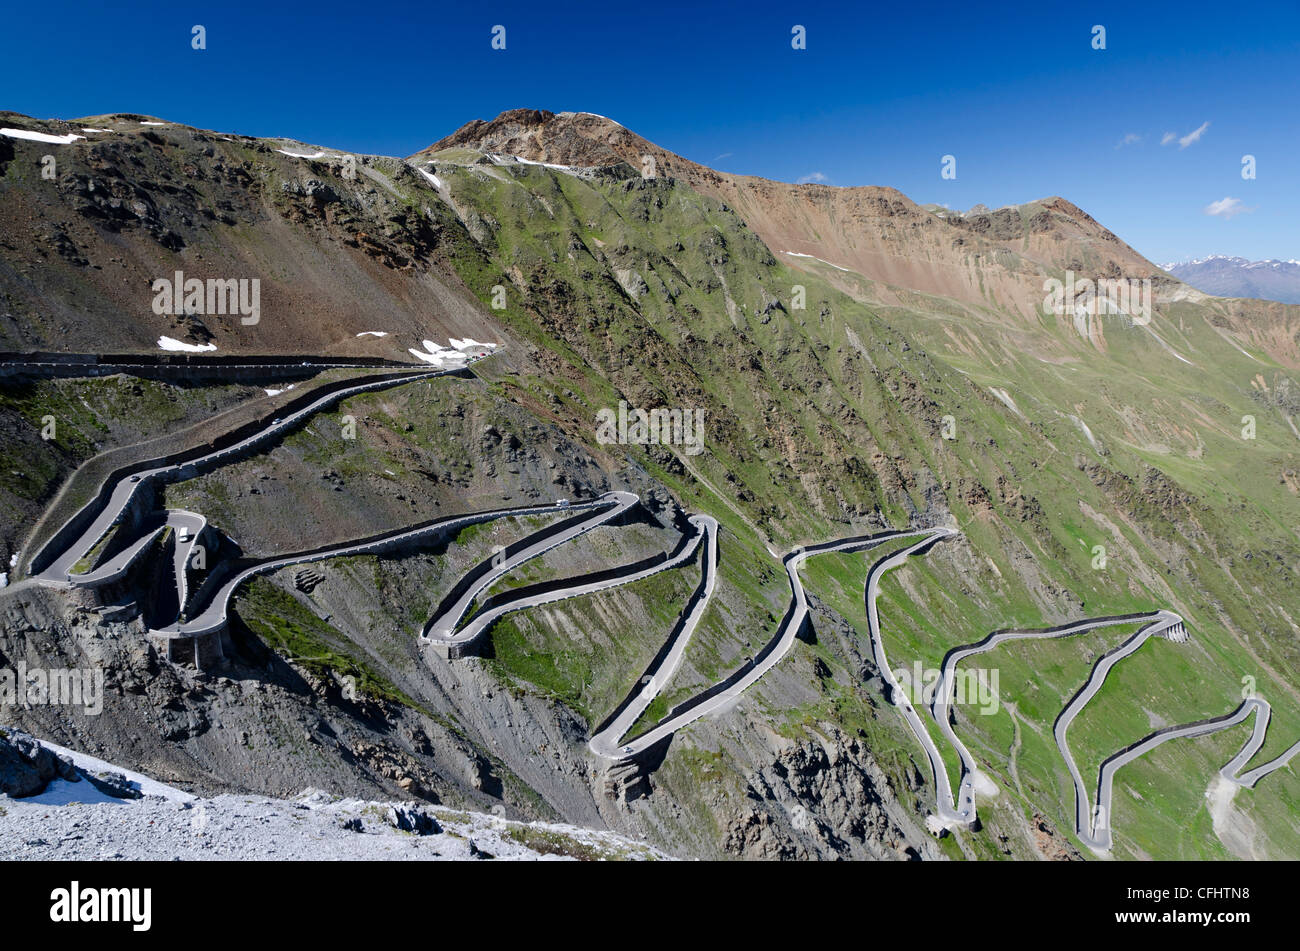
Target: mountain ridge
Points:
(1234, 276)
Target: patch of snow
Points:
(1161, 340)
(61, 792)
(434, 180)
(147, 122)
(561, 168)
(281, 390)
(96, 130)
(438, 356)
(306, 155)
(455, 355)
(168, 343)
(796, 254)
(498, 159)
(41, 136)
(1005, 397)
(599, 116)
(1085, 430)
(373, 333)
(94, 766)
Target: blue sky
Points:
(1014, 91)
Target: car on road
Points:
(627, 749)
(184, 535)
(562, 504)
(135, 478)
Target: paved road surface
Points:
(941, 706)
(951, 811)
(772, 654)
(604, 743)
(212, 615)
(1097, 835)
(964, 811)
(443, 627)
(126, 489)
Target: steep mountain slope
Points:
(992, 258)
(990, 261)
(836, 402)
(341, 245)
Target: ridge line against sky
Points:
(1147, 135)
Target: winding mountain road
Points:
(723, 695)
(1097, 833)
(60, 567)
(445, 628)
(1092, 824)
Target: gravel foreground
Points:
(314, 826)
(61, 804)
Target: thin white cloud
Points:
(1226, 208)
(1168, 137)
(1131, 138)
(814, 177)
(1194, 136)
(717, 158)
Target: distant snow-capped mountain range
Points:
(1226, 276)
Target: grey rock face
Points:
(25, 766)
(412, 819)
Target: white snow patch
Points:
(796, 254)
(96, 130)
(599, 116)
(41, 136)
(373, 333)
(438, 355)
(455, 355)
(307, 155)
(168, 343)
(1005, 397)
(1084, 429)
(498, 159)
(1161, 340)
(281, 390)
(95, 766)
(147, 122)
(61, 792)
(434, 180)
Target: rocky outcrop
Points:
(26, 767)
(820, 798)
